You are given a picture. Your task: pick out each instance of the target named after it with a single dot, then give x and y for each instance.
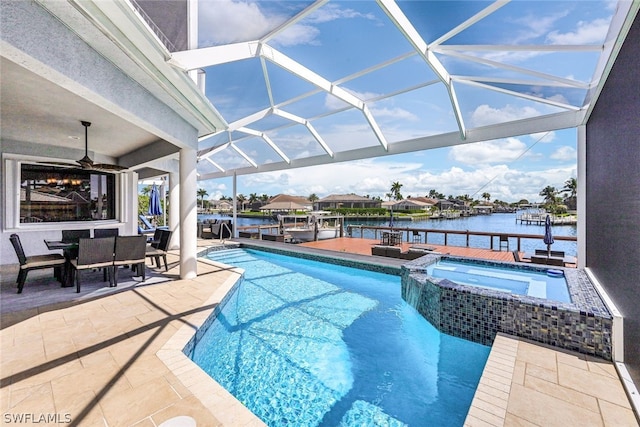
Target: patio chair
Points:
(106, 232)
(35, 262)
(94, 253)
(516, 256)
(504, 241)
(73, 236)
(417, 237)
(161, 249)
(130, 250)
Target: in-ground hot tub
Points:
(508, 303)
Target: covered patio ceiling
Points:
(308, 83)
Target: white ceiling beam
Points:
(215, 55)
(268, 140)
(267, 82)
(517, 69)
(215, 150)
(308, 125)
(277, 149)
(304, 73)
(519, 48)
(244, 155)
(375, 127)
(393, 11)
(293, 21)
(469, 22)
(249, 119)
(456, 110)
(289, 116)
(551, 122)
(521, 95)
(483, 79)
(214, 164)
(318, 138)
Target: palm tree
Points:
(571, 187)
(549, 193)
(313, 197)
(395, 190)
(202, 193)
(240, 197)
(486, 196)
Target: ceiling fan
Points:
(87, 163)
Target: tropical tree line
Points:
(555, 200)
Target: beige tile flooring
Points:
(528, 384)
(116, 360)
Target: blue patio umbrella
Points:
(548, 237)
(155, 208)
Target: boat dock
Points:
(539, 219)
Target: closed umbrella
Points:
(548, 236)
(155, 207)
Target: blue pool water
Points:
(306, 343)
(518, 281)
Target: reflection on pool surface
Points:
(306, 343)
(518, 281)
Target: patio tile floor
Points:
(114, 359)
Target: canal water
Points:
(497, 222)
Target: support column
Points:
(174, 209)
(235, 205)
(581, 195)
(188, 214)
(129, 208)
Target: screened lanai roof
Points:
(305, 83)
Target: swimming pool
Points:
(306, 343)
(520, 281)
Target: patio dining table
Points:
(68, 250)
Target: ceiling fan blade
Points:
(108, 167)
(87, 163)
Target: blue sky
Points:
(354, 45)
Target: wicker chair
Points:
(161, 249)
(94, 253)
(130, 250)
(106, 232)
(35, 262)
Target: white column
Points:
(174, 209)
(581, 195)
(235, 205)
(188, 214)
(129, 200)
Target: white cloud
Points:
(485, 115)
(227, 21)
(487, 152)
(545, 137)
(585, 33)
(564, 153)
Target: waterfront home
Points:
(336, 201)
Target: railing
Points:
(409, 232)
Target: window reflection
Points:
(58, 194)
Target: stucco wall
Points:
(613, 192)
